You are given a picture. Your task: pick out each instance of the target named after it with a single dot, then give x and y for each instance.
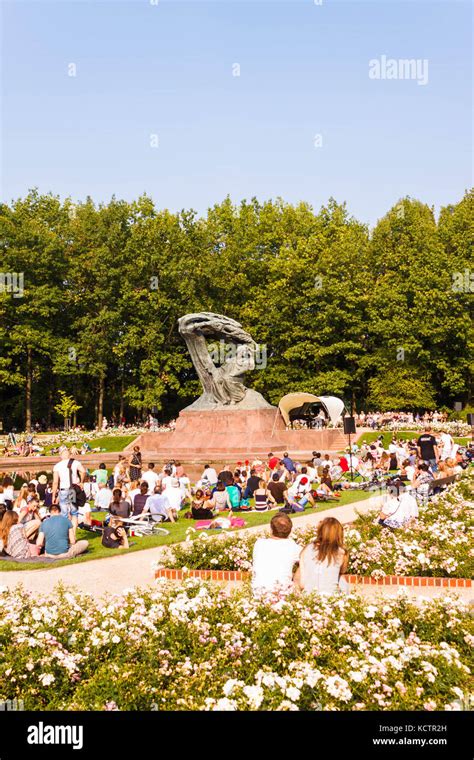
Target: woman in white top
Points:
(20, 501)
(399, 507)
(8, 493)
(324, 560)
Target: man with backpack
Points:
(68, 490)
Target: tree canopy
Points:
(382, 318)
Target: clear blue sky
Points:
(166, 69)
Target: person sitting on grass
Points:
(140, 500)
(174, 494)
(235, 497)
(445, 469)
(278, 489)
(275, 557)
(14, 538)
(407, 470)
(8, 494)
(208, 477)
(289, 465)
(30, 513)
(326, 480)
(324, 560)
(21, 500)
(220, 500)
(119, 506)
(399, 508)
(226, 476)
(252, 484)
(165, 477)
(103, 497)
(114, 535)
(263, 498)
(200, 507)
(90, 487)
(185, 488)
(101, 474)
(158, 506)
(323, 491)
(57, 535)
(422, 479)
(299, 494)
(311, 472)
(303, 473)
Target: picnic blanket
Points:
(235, 522)
(29, 560)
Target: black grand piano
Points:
(307, 413)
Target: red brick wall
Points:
(388, 580)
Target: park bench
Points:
(436, 486)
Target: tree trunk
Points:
(122, 401)
(29, 386)
(100, 402)
(50, 405)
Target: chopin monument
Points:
(223, 386)
(229, 420)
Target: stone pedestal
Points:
(237, 434)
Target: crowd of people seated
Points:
(42, 517)
(377, 420)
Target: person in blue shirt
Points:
(289, 464)
(58, 537)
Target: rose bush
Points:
(438, 544)
(195, 647)
(455, 428)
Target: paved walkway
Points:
(112, 575)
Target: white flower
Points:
(254, 695)
(338, 688)
(287, 705)
(293, 693)
(229, 686)
(371, 611)
(47, 679)
(226, 705)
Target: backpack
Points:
(79, 497)
(110, 482)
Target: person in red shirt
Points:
(273, 461)
(343, 464)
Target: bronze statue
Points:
(223, 385)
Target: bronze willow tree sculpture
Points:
(223, 385)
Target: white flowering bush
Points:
(439, 543)
(455, 428)
(195, 647)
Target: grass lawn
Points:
(177, 533)
(404, 435)
(110, 443)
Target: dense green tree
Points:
(382, 319)
(414, 315)
(33, 245)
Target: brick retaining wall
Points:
(355, 580)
